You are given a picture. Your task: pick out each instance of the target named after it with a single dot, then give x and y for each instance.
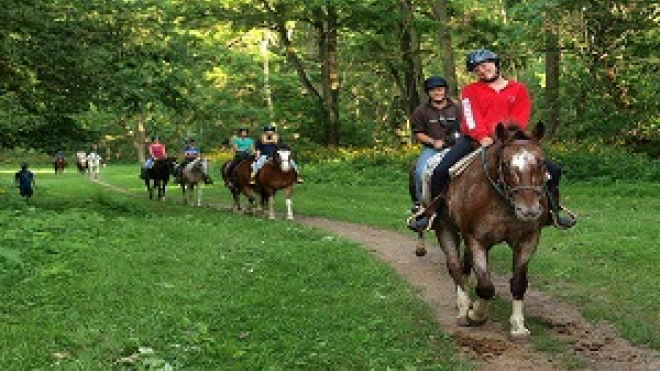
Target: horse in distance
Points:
(81, 162)
(157, 177)
(93, 164)
(238, 183)
(500, 197)
(192, 178)
(277, 174)
(59, 164)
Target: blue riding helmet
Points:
(435, 82)
(479, 56)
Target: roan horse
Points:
(59, 164)
(277, 174)
(500, 197)
(239, 182)
(192, 176)
(158, 176)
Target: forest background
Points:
(327, 73)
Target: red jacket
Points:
(484, 107)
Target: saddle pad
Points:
(427, 172)
(463, 163)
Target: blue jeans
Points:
(427, 153)
(149, 163)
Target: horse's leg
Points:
(199, 195)
(289, 210)
(518, 286)
(420, 249)
(271, 202)
(484, 289)
(450, 243)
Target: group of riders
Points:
(243, 146)
(82, 158)
(441, 125)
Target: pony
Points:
(500, 197)
(81, 162)
(191, 177)
(158, 176)
(93, 164)
(59, 164)
(277, 174)
(239, 182)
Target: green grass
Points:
(96, 280)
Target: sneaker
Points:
(421, 224)
(562, 222)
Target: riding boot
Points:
(554, 217)
(423, 218)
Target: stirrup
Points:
(419, 213)
(572, 218)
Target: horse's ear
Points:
(501, 132)
(539, 130)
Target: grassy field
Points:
(93, 279)
(115, 276)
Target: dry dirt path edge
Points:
(599, 346)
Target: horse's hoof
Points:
(271, 217)
(519, 335)
(420, 251)
(463, 321)
(476, 322)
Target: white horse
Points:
(192, 176)
(93, 164)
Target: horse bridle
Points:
(502, 187)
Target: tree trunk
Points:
(326, 30)
(440, 11)
(552, 61)
(140, 139)
(413, 93)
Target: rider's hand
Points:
(437, 144)
(485, 142)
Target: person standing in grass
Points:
(24, 180)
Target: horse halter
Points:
(505, 189)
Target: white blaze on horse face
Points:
(522, 160)
(285, 157)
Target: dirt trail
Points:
(599, 346)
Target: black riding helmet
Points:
(243, 130)
(479, 56)
(269, 128)
(435, 82)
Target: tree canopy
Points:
(330, 73)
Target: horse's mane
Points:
(514, 131)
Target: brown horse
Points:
(277, 174)
(500, 197)
(59, 164)
(239, 182)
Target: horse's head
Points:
(521, 169)
(282, 158)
